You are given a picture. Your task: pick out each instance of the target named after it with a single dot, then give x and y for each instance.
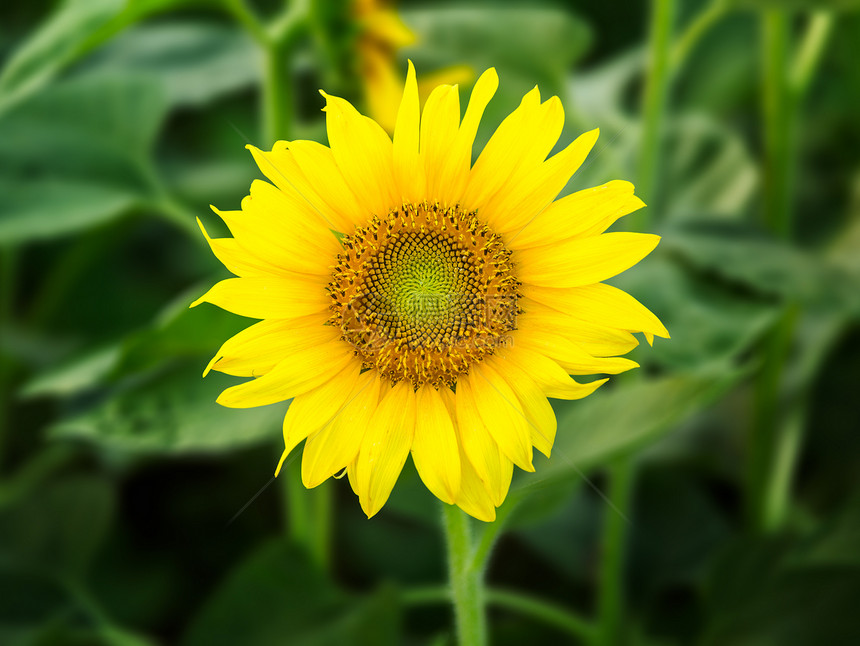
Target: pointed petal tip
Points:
(281, 462)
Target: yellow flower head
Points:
(414, 303)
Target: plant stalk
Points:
(654, 108)
(467, 588)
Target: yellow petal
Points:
(502, 414)
(454, 171)
(270, 297)
(518, 203)
(583, 261)
(363, 152)
(538, 412)
(519, 146)
(473, 497)
(257, 349)
(568, 354)
(551, 377)
(596, 340)
(588, 212)
(272, 227)
(304, 370)
(237, 259)
(434, 449)
(439, 124)
(333, 447)
(308, 169)
(315, 409)
(601, 304)
(385, 447)
(477, 443)
(408, 166)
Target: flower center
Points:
(423, 292)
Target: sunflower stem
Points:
(654, 107)
(610, 600)
(466, 581)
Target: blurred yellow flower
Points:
(414, 303)
(381, 34)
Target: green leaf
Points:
(194, 62)
(769, 267)
(74, 156)
(73, 29)
(593, 431)
(711, 170)
(710, 326)
(276, 594)
(178, 332)
(86, 125)
(48, 208)
(171, 411)
(53, 46)
(72, 377)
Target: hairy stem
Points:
(467, 589)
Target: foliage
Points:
(119, 475)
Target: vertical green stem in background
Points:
(765, 439)
(297, 512)
(697, 28)
(656, 85)
(611, 593)
(777, 111)
(322, 499)
(467, 587)
(277, 95)
(775, 443)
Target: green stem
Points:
(766, 439)
(246, 17)
(693, 33)
(277, 96)
(610, 601)
(775, 445)
(549, 613)
(467, 590)
(777, 109)
(656, 86)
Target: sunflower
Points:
(415, 303)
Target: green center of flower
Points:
(417, 284)
(424, 292)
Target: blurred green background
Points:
(711, 499)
